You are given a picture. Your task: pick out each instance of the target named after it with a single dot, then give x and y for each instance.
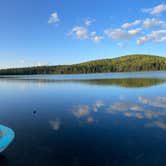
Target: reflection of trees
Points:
(122, 82)
(128, 82)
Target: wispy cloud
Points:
(154, 36)
(89, 21)
(156, 9)
(128, 25)
(120, 44)
(153, 22)
(97, 39)
(122, 34)
(54, 18)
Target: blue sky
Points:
(40, 32)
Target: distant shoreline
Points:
(128, 63)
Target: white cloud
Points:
(122, 34)
(89, 21)
(134, 32)
(79, 32)
(156, 10)
(95, 38)
(162, 39)
(54, 18)
(154, 36)
(128, 25)
(149, 23)
(120, 44)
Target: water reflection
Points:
(106, 121)
(159, 124)
(156, 102)
(81, 111)
(122, 82)
(97, 105)
(55, 124)
(139, 109)
(128, 82)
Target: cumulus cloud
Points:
(81, 32)
(154, 36)
(54, 18)
(89, 21)
(156, 10)
(128, 25)
(122, 34)
(97, 39)
(153, 22)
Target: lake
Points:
(114, 119)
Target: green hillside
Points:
(129, 63)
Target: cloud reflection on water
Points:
(81, 111)
(158, 124)
(156, 102)
(155, 114)
(55, 124)
(97, 105)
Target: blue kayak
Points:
(6, 137)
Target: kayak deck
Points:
(6, 137)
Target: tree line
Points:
(129, 63)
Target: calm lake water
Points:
(115, 119)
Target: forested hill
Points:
(129, 63)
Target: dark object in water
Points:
(34, 112)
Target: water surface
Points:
(114, 119)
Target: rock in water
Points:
(6, 137)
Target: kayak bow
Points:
(6, 137)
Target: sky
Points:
(53, 32)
